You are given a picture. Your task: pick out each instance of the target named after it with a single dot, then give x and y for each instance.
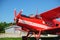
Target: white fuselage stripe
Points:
(32, 24)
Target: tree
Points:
(3, 25)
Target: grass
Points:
(10, 38)
(15, 38)
(28, 38)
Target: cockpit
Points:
(25, 16)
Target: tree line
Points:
(3, 25)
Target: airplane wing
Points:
(51, 14)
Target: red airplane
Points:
(44, 23)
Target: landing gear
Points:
(36, 36)
(28, 37)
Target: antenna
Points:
(37, 11)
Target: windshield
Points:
(58, 19)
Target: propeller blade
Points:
(15, 12)
(21, 11)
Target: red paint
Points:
(48, 17)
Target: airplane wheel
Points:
(24, 38)
(59, 37)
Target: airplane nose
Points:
(16, 20)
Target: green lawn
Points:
(10, 38)
(15, 38)
(28, 38)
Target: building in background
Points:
(15, 30)
(12, 29)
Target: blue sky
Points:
(29, 7)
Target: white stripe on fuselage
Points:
(32, 24)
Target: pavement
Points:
(9, 35)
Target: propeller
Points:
(20, 15)
(16, 17)
(21, 11)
